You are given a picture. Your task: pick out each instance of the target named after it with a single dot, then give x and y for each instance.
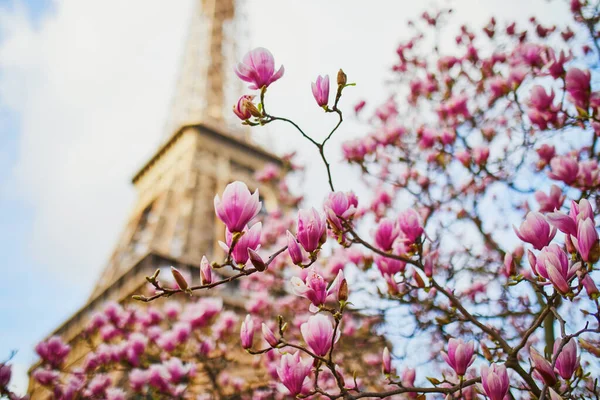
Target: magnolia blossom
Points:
(386, 361)
(460, 355)
(311, 229)
(340, 205)
(296, 252)
(237, 207)
(318, 334)
(269, 336)
(542, 367)
(320, 90)
(385, 235)
(535, 230)
(564, 169)
(315, 288)
(494, 381)
(258, 68)
(551, 202)
(586, 241)
(567, 360)
(410, 224)
(577, 84)
(552, 263)
(241, 107)
(293, 371)
(205, 271)
(247, 332)
(249, 240)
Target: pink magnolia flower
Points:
(494, 380)
(567, 360)
(460, 355)
(240, 108)
(293, 371)
(296, 252)
(577, 84)
(258, 68)
(320, 90)
(318, 334)
(389, 266)
(555, 66)
(410, 224)
(340, 205)
(269, 335)
(565, 223)
(138, 378)
(205, 272)
(315, 288)
(238, 206)
(552, 201)
(311, 229)
(564, 169)
(546, 152)
(535, 230)
(385, 235)
(481, 155)
(269, 173)
(249, 240)
(553, 264)
(590, 287)
(247, 332)
(386, 362)
(542, 367)
(586, 241)
(53, 351)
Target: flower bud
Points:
(247, 332)
(386, 362)
(342, 79)
(343, 291)
(256, 260)
(294, 249)
(269, 336)
(181, 282)
(590, 287)
(251, 108)
(205, 272)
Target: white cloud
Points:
(91, 87)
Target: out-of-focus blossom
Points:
(535, 230)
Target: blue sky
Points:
(83, 98)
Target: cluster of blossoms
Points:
(453, 158)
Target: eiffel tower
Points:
(173, 221)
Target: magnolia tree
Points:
(500, 128)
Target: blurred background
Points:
(85, 89)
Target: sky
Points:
(84, 92)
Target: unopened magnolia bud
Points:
(205, 272)
(386, 362)
(269, 336)
(251, 108)
(256, 260)
(342, 79)
(138, 297)
(181, 282)
(343, 291)
(419, 280)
